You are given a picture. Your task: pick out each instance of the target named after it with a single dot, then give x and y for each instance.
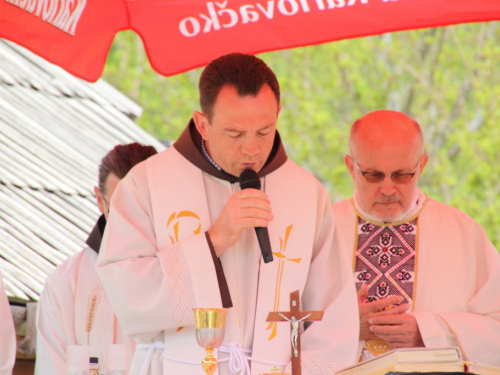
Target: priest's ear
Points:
(349, 164)
(201, 122)
(100, 201)
(423, 162)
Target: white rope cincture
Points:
(238, 361)
(151, 346)
(238, 357)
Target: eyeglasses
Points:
(396, 177)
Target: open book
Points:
(409, 360)
(419, 360)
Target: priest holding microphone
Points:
(181, 234)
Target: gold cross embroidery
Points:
(175, 218)
(174, 239)
(273, 326)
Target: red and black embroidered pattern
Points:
(385, 259)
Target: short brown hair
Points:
(120, 160)
(246, 73)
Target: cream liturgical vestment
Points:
(156, 264)
(73, 309)
(7, 334)
(441, 262)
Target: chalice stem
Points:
(209, 363)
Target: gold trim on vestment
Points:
(466, 358)
(417, 248)
(355, 236)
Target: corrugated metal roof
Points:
(54, 130)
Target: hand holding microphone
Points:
(249, 208)
(249, 179)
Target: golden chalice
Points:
(210, 328)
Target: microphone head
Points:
(249, 179)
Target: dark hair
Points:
(120, 160)
(246, 73)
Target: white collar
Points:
(417, 203)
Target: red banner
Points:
(183, 34)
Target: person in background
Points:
(73, 308)
(182, 235)
(426, 273)
(7, 334)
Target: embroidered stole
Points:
(385, 259)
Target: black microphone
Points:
(249, 179)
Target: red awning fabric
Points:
(179, 35)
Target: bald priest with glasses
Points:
(426, 274)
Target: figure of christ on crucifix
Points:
(295, 316)
(294, 335)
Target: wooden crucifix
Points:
(295, 316)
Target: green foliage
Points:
(446, 78)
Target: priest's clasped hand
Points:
(373, 309)
(399, 331)
(380, 320)
(248, 208)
